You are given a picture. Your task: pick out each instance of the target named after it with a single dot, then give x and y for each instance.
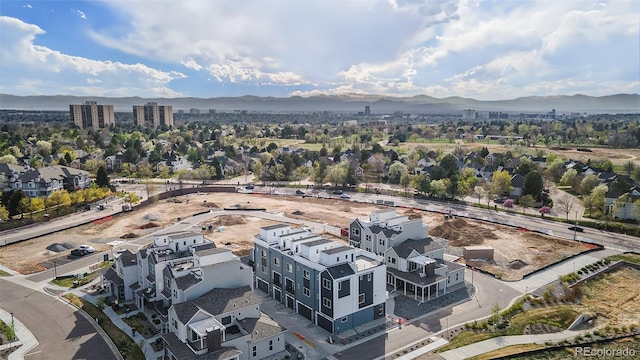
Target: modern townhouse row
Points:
(42, 182)
(203, 296)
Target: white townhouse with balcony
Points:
(175, 268)
(43, 182)
(415, 262)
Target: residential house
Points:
(9, 174)
(540, 161)
(43, 182)
(334, 286)
(517, 182)
(114, 162)
(224, 323)
(487, 172)
(415, 262)
(120, 277)
(627, 206)
(173, 162)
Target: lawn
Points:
(632, 258)
(561, 316)
(69, 282)
(4, 273)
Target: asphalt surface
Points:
(62, 332)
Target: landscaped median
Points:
(126, 346)
(600, 307)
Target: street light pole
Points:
(13, 328)
(575, 227)
(55, 270)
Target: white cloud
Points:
(27, 6)
(483, 49)
(23, 61)
(81, 14)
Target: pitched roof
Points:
(182, 351)
(262, 327)
(111, 275)
(127, 258)
(218, 301)
(517, 180)
(187, 281)
(421, 246)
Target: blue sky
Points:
(480, 49)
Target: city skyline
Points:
(487, 50)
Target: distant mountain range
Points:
(420, 104)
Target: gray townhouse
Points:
(415, 262)
(335, 286)
(43, 182)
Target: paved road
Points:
(63, 333)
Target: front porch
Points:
(417, 284)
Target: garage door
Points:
(305, 311)
(289, 302)
(263, 286)
(325, 323)
(277, 294)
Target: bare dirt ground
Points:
(236, 232)
(516, 253)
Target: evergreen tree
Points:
(102, 178)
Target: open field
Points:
(617, 156)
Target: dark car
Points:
(337, 192)
(79, 252)
(249, 187)
(299, 192)
(499, 200)
(576, 228)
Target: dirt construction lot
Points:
(516, 253)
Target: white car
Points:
(86, 248)
(345, 196)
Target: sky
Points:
(487, 50)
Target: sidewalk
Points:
(25, 341)
(485, 346)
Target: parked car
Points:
(499, 200)
(576, 228)
(337, 192)
(78, 252)
(345, 196)
(299, 192)
(86, 248)
(249, 187)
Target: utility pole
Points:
(55, 270)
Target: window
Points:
(175, 324)
(344, 319)
(255, 351)
(264, 253)
(361, 298)
(369, 277)
(270, 345)
(226, 320)
(306, 274)
(339, 286)
(337, 258)
(276, 261)
(264, 269)
(368, 237)
(326, 283)
(355, 231)
(381, 241)
(457, 276)
(289, 267)
(380, 311)
(326, 302)
(306, 292)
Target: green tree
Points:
(396, 171)
(569, 177)
(271, 147)
(421, 182)
(15, 203)
(319, 172)
(438, 188)
(526, 202)
(4, 213)
(102, 178)
(501, 183)
(533, 185)
(588, 183)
